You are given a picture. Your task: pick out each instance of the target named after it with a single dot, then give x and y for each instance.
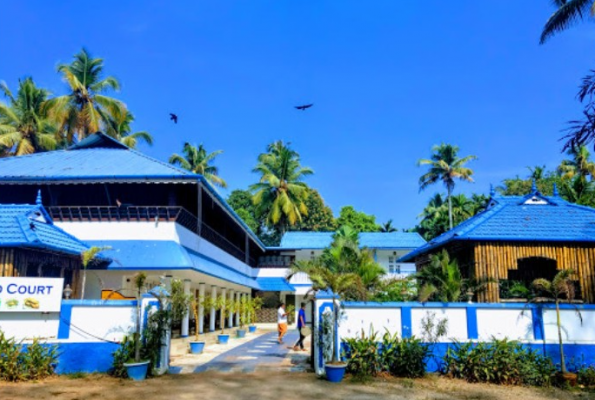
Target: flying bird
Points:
(304, 106)
(173, 117)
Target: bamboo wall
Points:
(494, 259)
(14, 263)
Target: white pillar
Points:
(201, 308)
(186, 317)
(224, 296)
(213, 311)
(237, 313)
(244, 296)
(230, 318)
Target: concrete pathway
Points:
(261, 353)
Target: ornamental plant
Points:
(139, 283)
(225, 306)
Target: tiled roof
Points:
(167, 255)
(24, 225)
(372, 240)
(275, 285)
(99, 158)
(516, 218)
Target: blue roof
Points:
(275, 285)
(522, 218)
(168, 255)
(371, 240)
(100, 158)
(25, 225)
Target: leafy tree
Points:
(320, 216)
(441, 280)
(537, 172)
(359, 221)
(568, 12)
(249, 219)
(388, 226)
(87, 257)
(280, 195)
(199, 161)
(25, 127)
(118, 127)
(579, 165)
(86, 109)
(446, 166)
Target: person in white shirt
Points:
(281, 322)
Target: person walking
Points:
(301, 323)
(281, 322)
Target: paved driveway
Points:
(262, 353)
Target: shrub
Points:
(363, 354)
(20, 363)
(401, 357)
(124, 353)
(586, 376)
(501, 362)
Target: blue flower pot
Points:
(240, 333)
(335, 373)
(252, 328)
(223, 339)
(137, 371)
(197, 347)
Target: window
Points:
(393, 267)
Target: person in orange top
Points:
(281, 322)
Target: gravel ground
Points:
(270, 385)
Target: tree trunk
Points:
(137, 333)
(449, 207)
(558, 322)
(335, 332)
(83, 284)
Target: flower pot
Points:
(335, 372)
(252, 328)
(137, 371)
(223, 339)
(197, 347)
(564, 379)
(240, 333)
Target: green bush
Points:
(364, 360)
(501, 362)
(367, 356)
(124, 353)
(21, 363)
(586, 376)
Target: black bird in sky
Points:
(173, 117)
(304, 106)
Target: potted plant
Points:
(137, 369)
(254, 305)
(560, 288)
(224, 306)
(197, 346)
(241, 307)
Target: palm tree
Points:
(445, 165)
(537, 173)
(568, 12)
(441, 279)
(388, 226)
(87, 257)
(85, 109)
(561, 287)
(280, 194)
(118, 127)
(580, 164)
(24, 125)
(199, 161)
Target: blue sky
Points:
(388, 80)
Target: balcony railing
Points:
(147, 214)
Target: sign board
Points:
(30, 294)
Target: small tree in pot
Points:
(225, 307)
(254, 305)
(242, 308)
(137, 369)
(197, 346)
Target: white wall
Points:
(504, 323)
(573, 330)
(23, 326)
(354, 320)
(90, 324)
(456, 322)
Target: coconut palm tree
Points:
(199, 161)
(87, 257)
(86, 109)
(24, 125)
(580, 164)
(560, 288)
(280, 194)
(568, 12)
(388, 226)
(118, 127)
(537, 173)
(446, 166)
